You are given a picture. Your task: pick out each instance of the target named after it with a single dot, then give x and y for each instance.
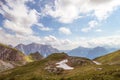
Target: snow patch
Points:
(62, 64)
(97, 63)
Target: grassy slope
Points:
(112, 58)
(35, 71)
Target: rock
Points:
(54, 69)
(10, 54)
(99, 69)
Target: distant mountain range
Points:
(90, 53)
(44, 50)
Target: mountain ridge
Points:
(90, 52)
(45, 50)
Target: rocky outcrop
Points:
(5, 65)
(79, 61)
(51, 68)
(10, 54)
(10, 58)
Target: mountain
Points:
(60, 66)
(80, 51)
(53, 67)
(96, 52)
(112, 58)
(66, 51)
(90, 53)
(10, 54)
(36, 56)
(11, 57)
(45, 50)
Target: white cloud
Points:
(92, 24)
(16, 39)
(111, 41)
(25, 39)
(62, 44)
(41, 27)
(19, 17)
(66, 11)
(50, 38)
(66, 44)
(98, 30)
(65, 30)
(58, 43)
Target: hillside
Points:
(112, 58)
(10, 54)
(60, 66)
(35, 56)
(55, 66)
(11, 57)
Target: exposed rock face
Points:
(51, 68)
(79, 61)
(10, 54)
(45, 50)
(36, 56)
(10, 58)
(5, 65)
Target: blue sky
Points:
(64, 24)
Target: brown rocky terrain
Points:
(10, 54)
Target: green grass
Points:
(35, 71)
(112, 58)
(57, 56)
